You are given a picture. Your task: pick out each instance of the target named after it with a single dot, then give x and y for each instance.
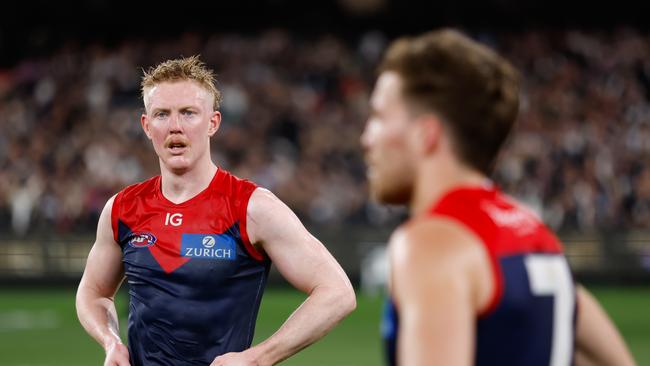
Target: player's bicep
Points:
(104, 269)
(435, 300)
(299, 256)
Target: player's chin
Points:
(177, 163)
(389, 195)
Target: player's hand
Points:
(117, 355)
(235, 359)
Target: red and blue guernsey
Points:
(531, 318)
(195, 280)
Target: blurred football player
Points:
(476, 278)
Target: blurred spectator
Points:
(293, 110)
(581, 149)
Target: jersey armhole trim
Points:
(115, 216)
(242, 214)
(497, 292)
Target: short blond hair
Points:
(188, 68)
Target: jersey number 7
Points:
(549, 275)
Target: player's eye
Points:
(187, 112)
(160, 114)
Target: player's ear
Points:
(144, 122)
(215, 122)
(429, 131)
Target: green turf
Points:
(39, 327)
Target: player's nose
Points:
(175, 123)
(365, 138)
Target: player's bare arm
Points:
(307, 265)
(101, 279)
(598, 342)
(440, 282)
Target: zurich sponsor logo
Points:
(141, 239)
(208, 241)
(212, 246)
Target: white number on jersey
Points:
(550, 275)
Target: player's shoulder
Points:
(264, 204)
(430, 251)
(232, 185)
(429, 240)
(137, 189)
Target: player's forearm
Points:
(318, 314)
(598, 341)
(586, 357)
(98, 317)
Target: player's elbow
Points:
(83, 296)
(339, 300)
(347, 300)
(89, 294)
(83, 301)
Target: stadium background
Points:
(296, 78)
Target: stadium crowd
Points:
(293, 110)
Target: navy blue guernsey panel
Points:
(389, 326)
(204, 308)
(531, 315)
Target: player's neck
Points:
(432, 182)
(179, 187)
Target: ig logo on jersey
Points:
(141, 239)
(173, 219)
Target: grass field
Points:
(39, 327)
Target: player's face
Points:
(179, 121)
(386, 141)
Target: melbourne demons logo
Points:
(141, 239)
